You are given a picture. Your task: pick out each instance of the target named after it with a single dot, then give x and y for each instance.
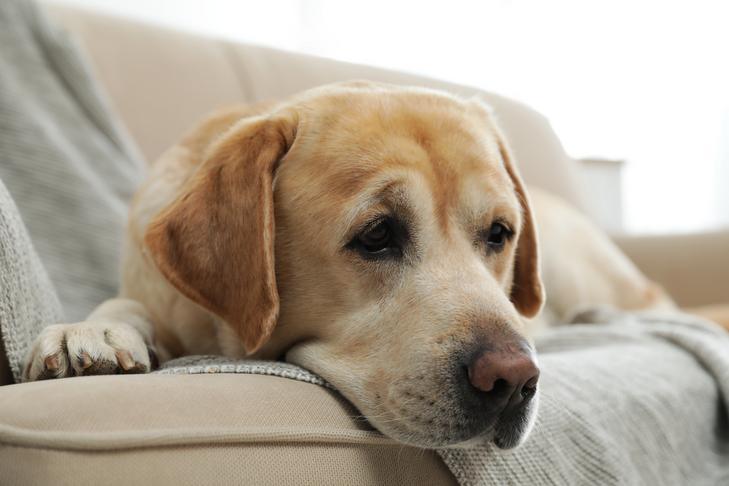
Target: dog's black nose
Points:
(507, 374)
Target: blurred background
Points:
(639, 90)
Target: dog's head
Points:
(380, 237)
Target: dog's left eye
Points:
(497, 236)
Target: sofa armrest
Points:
(219, 428)
(693, 268)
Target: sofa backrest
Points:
(162, 81)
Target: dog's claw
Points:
(125, 360)
(51, 363)
(86, 361)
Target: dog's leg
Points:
(115, 338)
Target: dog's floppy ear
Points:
(215, 243)
(527, 292)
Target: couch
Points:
(252, 429)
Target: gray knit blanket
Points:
(63, 157)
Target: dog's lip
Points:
(512, 426)
(506, 432)
(494, 434)
(504, 442)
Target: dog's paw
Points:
(88, 348)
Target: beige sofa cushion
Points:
(693, 268)
(196, 429)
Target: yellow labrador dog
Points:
(379, 236)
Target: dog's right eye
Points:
(376, 239)
(379, 239)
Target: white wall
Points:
(644, 81)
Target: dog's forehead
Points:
(354, 136)
(351, 141)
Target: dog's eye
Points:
(497, 236)
(377, 237)
(378, 240)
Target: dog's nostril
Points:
(529, 388)
(501, 386)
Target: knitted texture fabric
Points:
(218, 364)
(28, 301)
(63, 158)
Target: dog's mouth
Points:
(450, 426)
(436, 409)
(514, 426)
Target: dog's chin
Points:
(509, 431)
(513, 430)
(451, 426)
